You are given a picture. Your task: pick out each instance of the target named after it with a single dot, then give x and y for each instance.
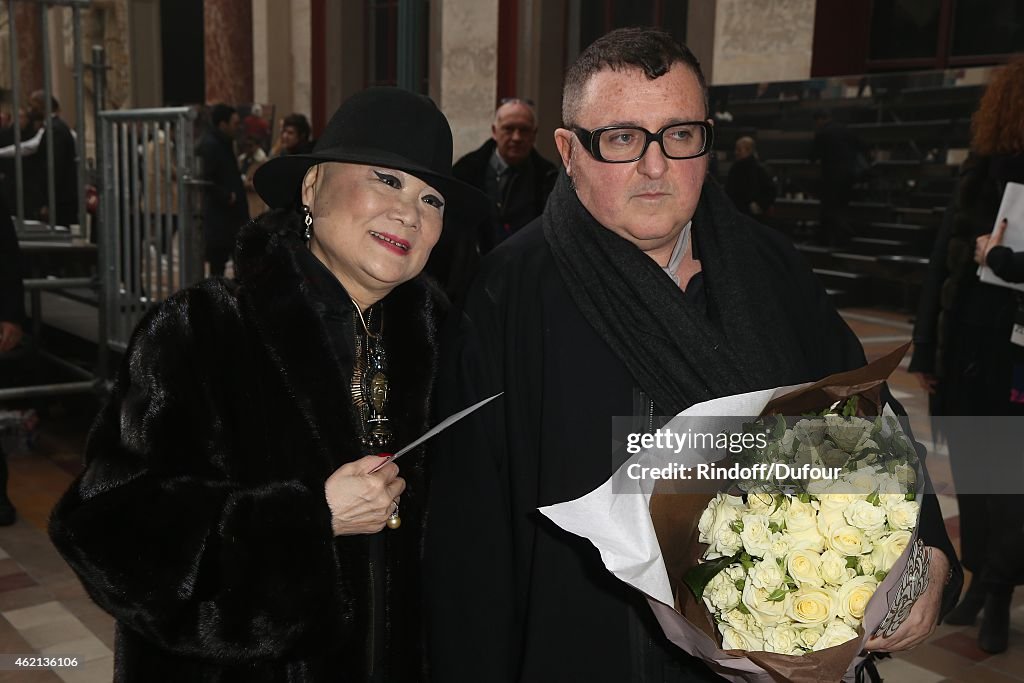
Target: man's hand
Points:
(986, 243)
(924, 615)
(10, 336)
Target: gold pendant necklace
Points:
(370, 389)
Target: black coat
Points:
(525, 198)
(12, 291)
(749, 181)
(200, 520)
(537, 604)
(963, 326)
(221, 217)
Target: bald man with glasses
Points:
(510, 171)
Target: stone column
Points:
(227, 40)
(468, 69)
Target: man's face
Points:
(515, 132)
(232, 127)
(37, 106)
(741, 150)
(648, 201)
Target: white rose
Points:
(756, 536)
(853, 597)
(741, 621)
(867, 565)
(726, 543)
(812, 605)
(786, 442)
(766, 574)
(762, 502)
(851, 434)
(847, 540)
(867, 517)
(834, 569)
(810, 430)
(808, 454)
(809, 636)
(836, 633)
(829, 519)
(810, 539)
(890, 491)
(818, 487)
(783, 639)
(800, 515)
(888, 549)
(721, 593)
(804, 567)
(780, 544)
(863, 481)
(767, 612)
(722, 511)
(903, 515)
(839, 496)
(735, 639)
(905, 475)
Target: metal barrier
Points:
(51, 203)
(149, 248)
(38, 232)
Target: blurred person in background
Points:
(12, 319)
(295, 137)
(964, 357)
(225, 208)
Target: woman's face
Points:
(373, 227)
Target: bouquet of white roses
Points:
(793, 573)
(774, 578)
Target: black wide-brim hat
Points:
(387, 127)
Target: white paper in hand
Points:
(1012, 209)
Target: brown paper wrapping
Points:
(676, 507)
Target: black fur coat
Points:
(200, 520)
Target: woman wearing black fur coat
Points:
(231, 516)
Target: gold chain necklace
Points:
(369, 334)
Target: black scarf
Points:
(677, 354)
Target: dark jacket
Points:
(12, 291)
(200, 520)
(538, 605)
(524, 199)
(749, 182)
(65, 172)
(221, 217)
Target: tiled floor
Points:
(43, 608)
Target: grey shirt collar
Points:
(682, 244)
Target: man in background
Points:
(224, 207)
(508, 169)
(749, 185)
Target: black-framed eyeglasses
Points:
(623, 144)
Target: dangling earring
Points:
(307, 218)
(572, 185)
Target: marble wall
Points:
(467, 69)
(228, 41)
(762, 41)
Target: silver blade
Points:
(441, 426)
